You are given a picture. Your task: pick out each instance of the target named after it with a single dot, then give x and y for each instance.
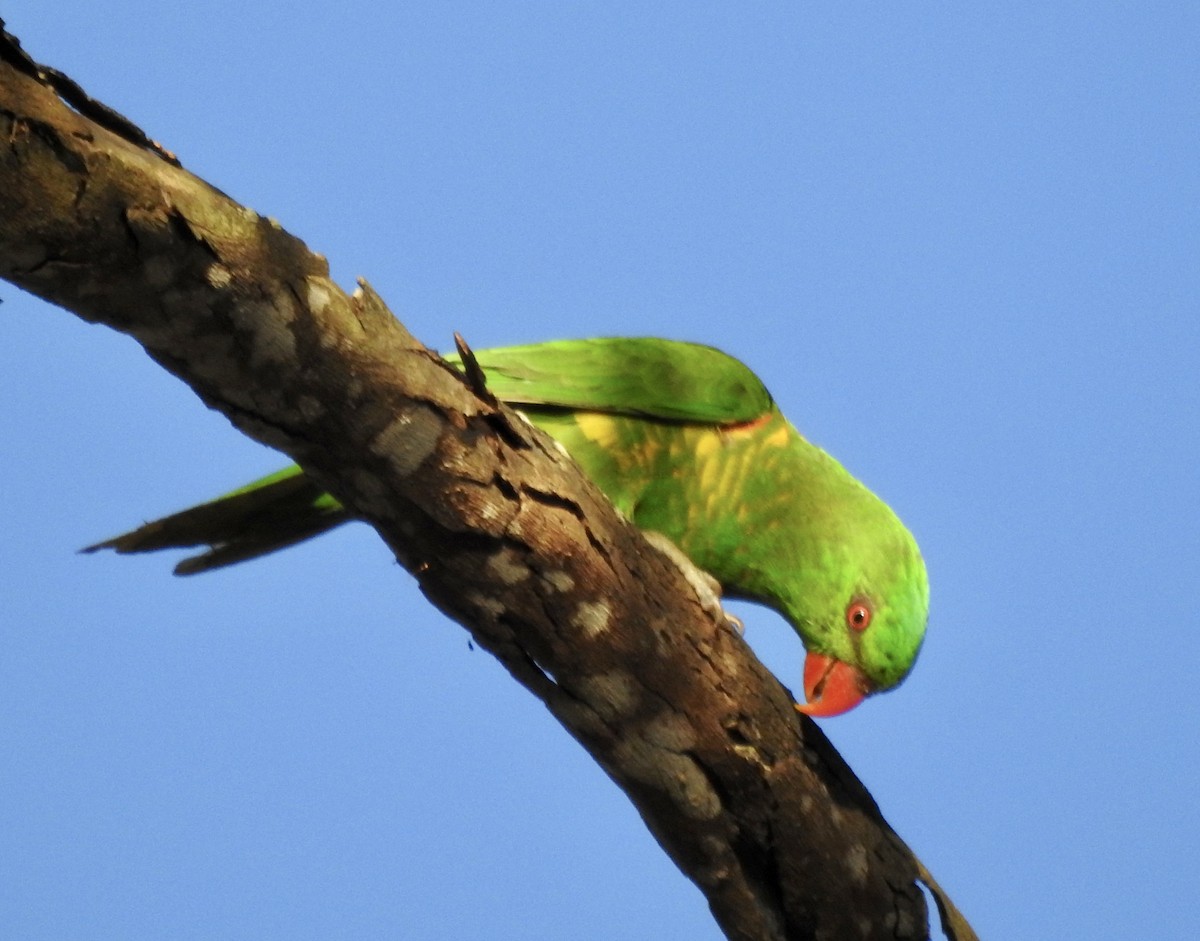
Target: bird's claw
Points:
(706, 588)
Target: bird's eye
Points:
(858, 615)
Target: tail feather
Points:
(269, 514)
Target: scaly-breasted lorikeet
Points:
(687, 442)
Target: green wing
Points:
(634, 377)
(637, 376)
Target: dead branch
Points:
(502, 531)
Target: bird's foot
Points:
(707, 588)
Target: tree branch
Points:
(502, 531)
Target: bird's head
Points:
(863, 618)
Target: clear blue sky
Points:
(958, 242)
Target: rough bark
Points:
(502, 531)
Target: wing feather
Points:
(640, 376)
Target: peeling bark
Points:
(501, 530)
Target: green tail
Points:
(273, 513)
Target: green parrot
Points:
(687, 442)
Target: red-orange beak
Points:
(831, 686)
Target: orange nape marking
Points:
(777, 438)
(831, 686)
(745, 427)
